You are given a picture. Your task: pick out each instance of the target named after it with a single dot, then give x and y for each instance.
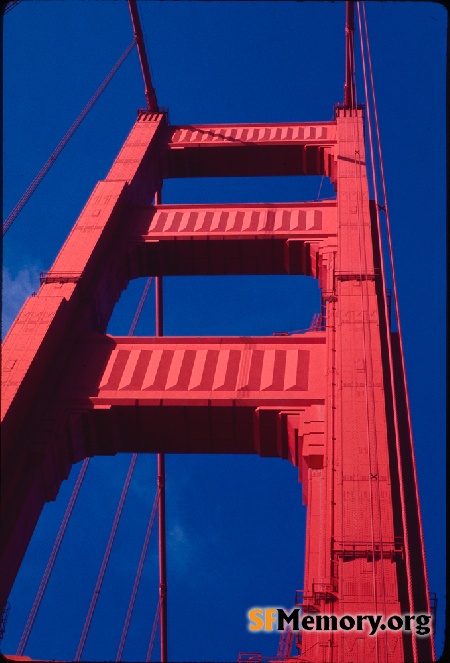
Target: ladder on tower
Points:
(285, 644)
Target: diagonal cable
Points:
(10, 5)
(115, 525)
(101, 575)
(51, 562)
(153, 635)
(61, 145)
(140, 306)
(137, 579)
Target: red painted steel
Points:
(78, 296)
(331, 401)
(209, 395)
(351, 530)
(417, 590)
(295, 133)
(121, 369)
(309, 220)
(250, 149)
(52, 559)
(231, 239)
(162, 558)
(161, 479)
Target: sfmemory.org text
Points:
(266, 618)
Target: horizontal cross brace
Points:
(250, 150)
(59, 277)
(369, 549)
(311, 220)
(305, 132)
(197, 371)
(218, 240)
(190, 395)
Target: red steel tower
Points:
(333, 401)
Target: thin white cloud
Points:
(180, 548)
(15, 291)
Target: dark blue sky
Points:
(232, 540)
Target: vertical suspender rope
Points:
(8, 222)
(384, 303)
(161, 612)
(52, 559)
(61, 145)
(374, 184)
(152, 105)
(105, 561)
(397, 313)
(162, 557)
(368, 377)
(147, 534)
(350, 101)
(11, 218)
(366, 341)
(137, 580)
(161, 492)
(119, 510)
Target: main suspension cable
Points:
(52, 559)
(349, 85)
(371, 376)
(402, 360)
(10, 5)
(61, 145)
(149, 90)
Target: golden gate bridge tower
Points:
(333, 400)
